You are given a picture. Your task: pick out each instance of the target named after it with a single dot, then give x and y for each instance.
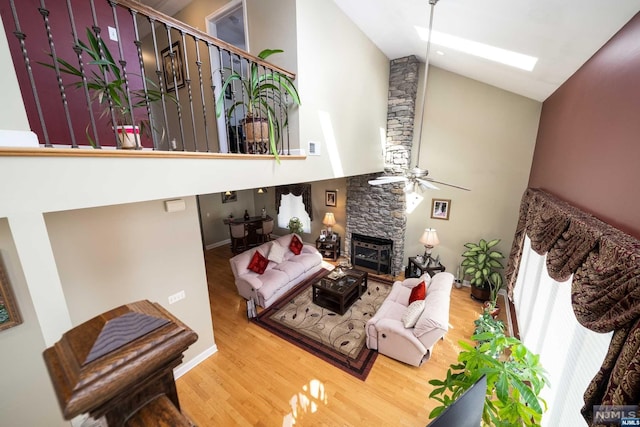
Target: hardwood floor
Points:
(258, 379)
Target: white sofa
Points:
(386, 332)
(278, 278)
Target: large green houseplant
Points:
(107, 87)
(482, 265)
(260, 92)
(515, 377)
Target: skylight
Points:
(492, 53)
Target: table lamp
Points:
(329, 220)
(429, 239)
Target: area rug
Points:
(338, 340)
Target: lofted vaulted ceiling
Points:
(563, 34)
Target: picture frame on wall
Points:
(229, 196)
(169, 67)
(9, 313)
(330, 197)
(440, 208)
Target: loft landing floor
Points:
(258, 379)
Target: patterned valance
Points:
(303, 190)
(605, 292)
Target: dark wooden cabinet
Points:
(328, 247)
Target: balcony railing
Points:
(87, 68)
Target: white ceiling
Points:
(563, 34)
(168, 7)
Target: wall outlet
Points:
(176, 297)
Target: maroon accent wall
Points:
(37, 45)
(588, 146)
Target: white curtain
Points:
(293, 206)
(570, 353)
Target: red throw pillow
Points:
(295, 245)
(258, 263)
(418, 292)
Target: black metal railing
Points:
(160, 77)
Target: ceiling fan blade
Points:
(426, 184)
(449, 185)
(387, 180)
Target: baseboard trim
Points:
(186, 367)
(218, 244)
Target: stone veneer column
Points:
(379, 211)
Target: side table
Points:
(328, 247)
(417, 268)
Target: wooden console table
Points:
(253, 223)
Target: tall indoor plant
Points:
(482, 264)
(107, 86)
(260, 92)
(515, 377)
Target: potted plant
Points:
(107, 87)
(260, 92)
(482, 265)
(295, 226)
(515, 377)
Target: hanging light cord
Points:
(432, 3)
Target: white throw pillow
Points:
(276, 254)
(412, 313)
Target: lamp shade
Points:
(429, 237)
(329, 219)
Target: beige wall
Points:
(26, 396)
(343, 80)
(213, 212)
(482, 138)
(111, 256)
(215, 231)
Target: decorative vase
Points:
(256, 134)
(129, 137)
(493, 311)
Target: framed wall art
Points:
(330, 197)
(9, 314)
(229, 196)
(440, 208)
(169, 68)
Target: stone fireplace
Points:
(371, 253)
(379, 211)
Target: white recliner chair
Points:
(386, 332)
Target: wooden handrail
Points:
(181, 26)
(148, 154)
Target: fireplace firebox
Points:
(371, 254)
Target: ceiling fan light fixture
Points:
(409, 187)
(416, 177)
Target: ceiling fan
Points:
(417, 178)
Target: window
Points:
(571, 354)
(291, 206)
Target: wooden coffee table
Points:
(337, 292)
